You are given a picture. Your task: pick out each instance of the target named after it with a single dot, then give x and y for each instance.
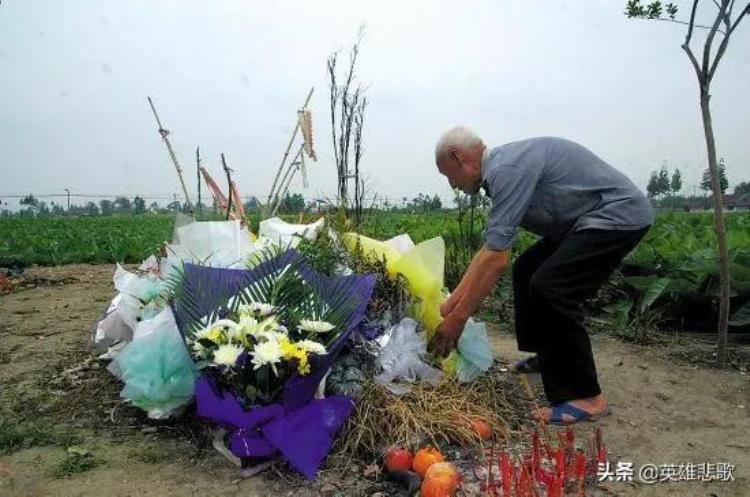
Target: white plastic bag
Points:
(283, 234)
(225, 244)
(400, 359)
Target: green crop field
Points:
(673, 272)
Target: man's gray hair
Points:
(459, 137)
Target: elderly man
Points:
(588, 215)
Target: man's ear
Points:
(457, 155)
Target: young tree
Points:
(293, 204)
(107, 207)
(675, 185)
(705, 70)
(653, 185)
(348, 105)
(31, 201)
(139, 205)
(676, 182)
(742, 188)
(122, 204)
(663, 181)
(723, 181)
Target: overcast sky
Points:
(230, 75)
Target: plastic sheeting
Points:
(157, 370)
(225, 244)
(421, 265)
(473, 355)
(287, 235)
(221, 244)
(400, 359)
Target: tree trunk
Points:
(721, 232)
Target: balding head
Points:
(457, 138)
(458, 156)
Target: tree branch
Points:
(710, 39)
(725, 41)
(692, 23)
(684, 23)
(694, 61)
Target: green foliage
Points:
(53, 241)
(676, 182)
(292, 204)
(742, 188)
(76, 460)
(677, 263)
(654, 10)
(723, 181)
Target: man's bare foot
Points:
(593, 407)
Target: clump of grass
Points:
(77, 460)
(15, 436)
(436, 414)
(152, 454)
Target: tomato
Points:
(398, 459)
(482, 429)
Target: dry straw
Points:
(432, 414)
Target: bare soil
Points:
(669, 406)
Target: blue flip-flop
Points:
(578, 414)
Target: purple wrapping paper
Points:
(298, 428)
(303, 436)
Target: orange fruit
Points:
(437, 487)
(482, 429)
(443, 470)
(424, 458)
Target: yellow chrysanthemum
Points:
(290, 351)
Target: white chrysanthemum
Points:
(237, 335)
(311, 346)
(226, 355)
(251, 326)
(315, 326)
(256, 309)
(267, 336)
(268, 352)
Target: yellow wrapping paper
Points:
(422, 267)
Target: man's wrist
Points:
(455, 321)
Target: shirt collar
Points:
(483, 169)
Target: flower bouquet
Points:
(263, 340)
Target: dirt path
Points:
(665, 411)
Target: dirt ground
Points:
(668, 407)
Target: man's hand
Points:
(447, 307)
(447, 335)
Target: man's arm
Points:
(460, 290)
(488, 266)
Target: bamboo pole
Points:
(164, 136)
(286, 153)
(229, 185)
(198, 177)
(286, 179)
